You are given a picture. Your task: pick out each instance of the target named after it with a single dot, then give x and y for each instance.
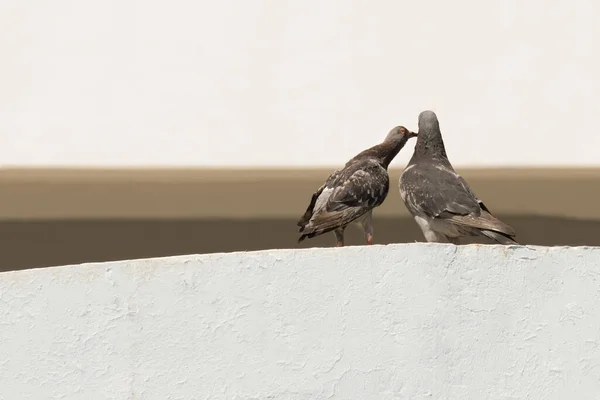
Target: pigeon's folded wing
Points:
(359, 189)
(435, 191)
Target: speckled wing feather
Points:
(434, 190)
(347, 194)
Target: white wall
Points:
(156, 82)
(409, 321)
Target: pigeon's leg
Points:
(368, 227)
(339, 237)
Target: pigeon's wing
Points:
(359, 188)
(365, 184)
(436, 191)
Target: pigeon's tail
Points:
(311, 234)
(488, 225)
(302, 237)
(306, 231)
(498, 237)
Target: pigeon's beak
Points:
(412, 134)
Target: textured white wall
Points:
(295, 82)
(408, 321)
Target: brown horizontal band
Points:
(176, 193)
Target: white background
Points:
(305, 82)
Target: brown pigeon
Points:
(350, 194)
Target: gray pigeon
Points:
(439, 199)
(350, 194)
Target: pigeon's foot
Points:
(369, 240)
(339, 237)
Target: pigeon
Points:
(440, 200)
(350, 194)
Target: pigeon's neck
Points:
(385, 152)
(430, 145)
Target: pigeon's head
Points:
(399, 132)
(428, 121)
(393, 143)
(430, 142)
